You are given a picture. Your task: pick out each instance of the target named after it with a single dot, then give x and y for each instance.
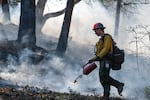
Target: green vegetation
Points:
(147, 92)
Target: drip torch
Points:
(87, 68)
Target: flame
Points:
(6, 89)
(75, 82)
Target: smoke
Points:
(15, 13)
(83, 18)
(138, 18)
(135, 76)
(142, 18)
(58, 74)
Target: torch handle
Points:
(84, 65)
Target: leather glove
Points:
(94, 59)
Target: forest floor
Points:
(30, 93)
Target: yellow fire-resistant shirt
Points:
(104, 47)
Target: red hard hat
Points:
(98, 26)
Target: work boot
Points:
(120, 88)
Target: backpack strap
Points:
(114, 43)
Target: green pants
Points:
(105, 79)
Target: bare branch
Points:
(58, 13)
(135, 3)
(76, 1)
(55, 14)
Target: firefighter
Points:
(103, 47)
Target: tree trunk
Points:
(40, 10)
(5, 9)
(26, 33)
(39, 15)
(117, 19)
(41, 18)
(63, 39)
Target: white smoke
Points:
(58, 74)
(83, 18)
(135, 19)
(15, 13)
(142, 17)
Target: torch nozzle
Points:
(80, 76)
(75, 81)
